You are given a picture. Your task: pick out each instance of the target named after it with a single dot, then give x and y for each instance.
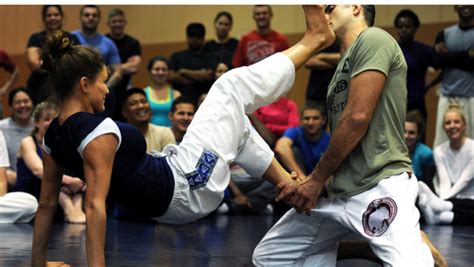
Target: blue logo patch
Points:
(204, 167)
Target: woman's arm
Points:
(48, 202)
(442, 180)
(99, 157)
(32, 160)
(460, 184)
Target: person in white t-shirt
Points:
(454, 185)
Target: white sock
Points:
(446, 217)
(429, 215)
(422, 199)
(437, 204)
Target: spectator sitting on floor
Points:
(136, 111)
(454, 160)
(30, 167)
(421, 155)
(160, 93)
(279, 116)
(310, 140)
(17, 127)
(181, 115)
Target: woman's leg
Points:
(219, 130)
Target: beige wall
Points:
(164, 24)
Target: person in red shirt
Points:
(7, 64)
(261, 42)
(279, 116)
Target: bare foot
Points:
(438, 258)
(75, 217)
(57, 264)
(317, 26)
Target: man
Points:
(192, 70)
(7, 64)
(261, 42)
(310, 140)
(419, 58)
(88, 35)
(455, 54)
(372, 191)
(129, 49)
(16, 207)
(181, 115)
(136, 111)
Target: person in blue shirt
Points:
(186, 181)
(421, 155)
(89, 36)
(310, 140)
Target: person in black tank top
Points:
(30, 167)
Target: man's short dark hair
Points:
(116, 12)
(195, 29)
(132, 91)
(269, 8)
(182, 100)
(407, 13)
(315, 105)
(415, 117)
(17, 90)
(369, 14)
(90, 6)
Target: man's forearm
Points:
(346, 137)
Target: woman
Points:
(53, 20)
(17, 127)
(30, 167)
(224, 46)
(160, 94)
(454, 181)
(185, 183)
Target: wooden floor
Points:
(218, 240)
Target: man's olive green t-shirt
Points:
(382, 151)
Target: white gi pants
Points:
(17, 207)
(390, 226)
(220, 134)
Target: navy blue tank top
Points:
(139, 181)
(26, 181)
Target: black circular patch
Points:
(379, 215)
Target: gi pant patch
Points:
(204, 167)
(379, 215)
